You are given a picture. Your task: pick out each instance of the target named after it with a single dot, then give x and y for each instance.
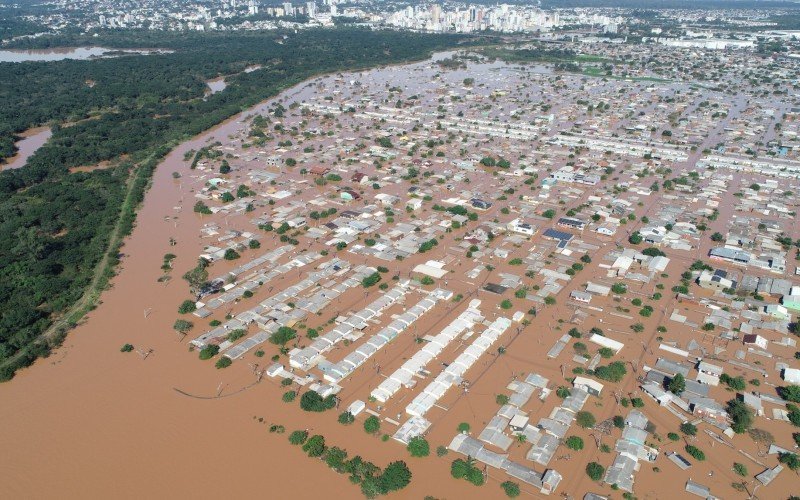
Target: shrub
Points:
(740, 469)
(289, 396)
(126, 348)
(673, 437)
(223, 362)
(501, 399)
(506, 304)
(441, 451)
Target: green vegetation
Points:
(740, 469)
(735, 383)
(289, 396)
(585, 419)
(298, 437)
(312, 401)
(187, 306)
(510, 488)
(223, 362)
(126, 348)
(574, 443)
(677, 384)
(283, 335)
(62, 231)
(371, 280)
(789, 393)
(614, 372)
(688, 429)
(372, 425)
(466, 469)
(209, 351)
(696, 452)
(346, 418)
(595, 471)
(741, 415)
(182, 326)
(791, 460)
(418, 447)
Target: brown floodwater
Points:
(92, 422)
(31, 140)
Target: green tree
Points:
(315, 446)
(223, 362)
(209, 351)
(689, 429)
(372, 425)
(790, 393)
(346, 418)
(791, 460)
(595, 471)
(187, 306)
(510, 488)
(677, 384)
(574, 443)
(741, 415)
(298, 437)
(395, 476)
(182, 326)
(313, 402)
(283, 335)
(418, 447)
(585, 419)
(695, 452)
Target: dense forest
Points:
(56, 226)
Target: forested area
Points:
(55, 226)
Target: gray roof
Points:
(697, 489)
